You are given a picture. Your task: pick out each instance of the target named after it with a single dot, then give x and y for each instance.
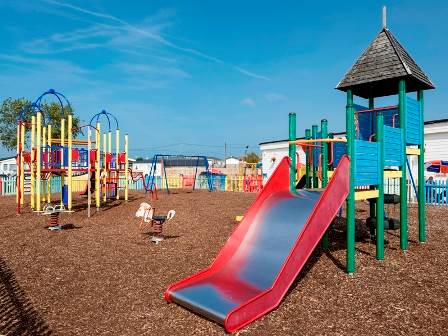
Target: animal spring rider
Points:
(54, 212)
(149, 220)
(67, 157)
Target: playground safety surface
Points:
(100, 276)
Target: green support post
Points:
(292, 152)
(308, 160)
(315, 177)
(403, 180)
(372, 204)
(324, 135)
(421, 174)
(380, 199)
(350, 127)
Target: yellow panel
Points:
(392, 173)
(238, 218)
(412, 151)
(363, 195)
(74, 142)
(330, 173)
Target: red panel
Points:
(75, 155)
(121, 158)
(93, 157)
(26, 157)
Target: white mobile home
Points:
(8, 166)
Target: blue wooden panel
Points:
(316, 155)
(339, 149)
(393, 146)
(317, 150)
(366, 163)
(413, 122)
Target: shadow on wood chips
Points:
(17, 315)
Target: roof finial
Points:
(384, 17)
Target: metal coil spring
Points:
(54, 219)
(158, 228)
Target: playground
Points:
(322, 245)
(101, 276)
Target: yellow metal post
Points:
(89, 172)
(62, 152)
(49, 160)
(22, 166)
(109, 150)
(38, 158)
(117, 166)
(33, 144)
(109, 142)
(105, 167)
(44, 151)
(97, 165)
(126, 169)
(69, 171)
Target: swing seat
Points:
(391, 199)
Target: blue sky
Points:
(187, 76)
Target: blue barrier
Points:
(413, 122)
(366, 163)
(436, 192)
(393, 146)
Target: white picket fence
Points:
(435, 192)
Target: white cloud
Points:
(251, 74)
(248, 102)
(275, 97)
(153, 32)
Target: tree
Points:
(252, 158)
(10, 110)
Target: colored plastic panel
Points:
(363, 123)
(364, 126)
(366, 163)
(393, 146)
(359, 107)
(413, 122)
(391, 118)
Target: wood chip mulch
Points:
(100, 276)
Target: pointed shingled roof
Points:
(378, 70)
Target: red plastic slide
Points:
(265, 253)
